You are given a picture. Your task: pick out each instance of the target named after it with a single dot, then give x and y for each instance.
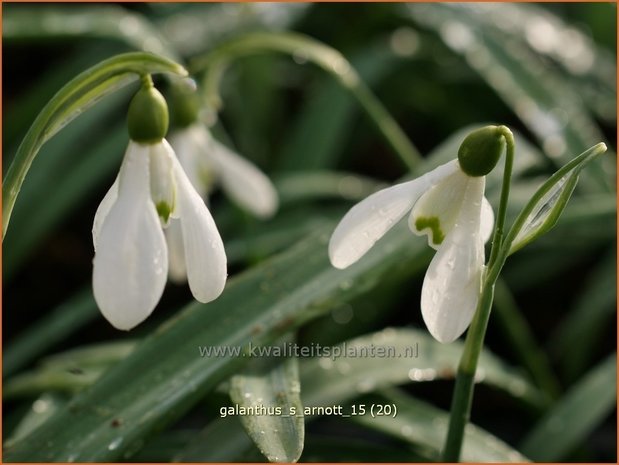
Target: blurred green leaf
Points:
(573, 418)
(164, 446)
(323, 448)
(50, 330)
(329, 112)
(218, 442)
(102, 22)
(327, 380)
(272, 384)
(586, 67)
(50, 379)
(335, 381)
(592, 311)
(194, 27)
(215, 63)
(420, 423)
(552, 111)
(25, 106)
(96, 355)
(63, 372)
(318, 185)
(42, 206)
(221, 442)
(521, 339)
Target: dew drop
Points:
(40, 406)
(115, 443)
(343, 368)
(407, 431)
(366, 385)
(325, 363)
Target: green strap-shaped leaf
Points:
(218, 442)
(74, 98)
(50, 379)
(422, 424)
(269, 388)
(40, 411)
(590, 315)
(62, 321)
(334, 380)
(96, 355)
(575, 415)
(416, 357)
(165, 375)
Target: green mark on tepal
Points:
(164, 210)
(434, 225)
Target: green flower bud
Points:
(147, 118)
(184, 103)
(480, 151)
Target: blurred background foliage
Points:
(546, 71)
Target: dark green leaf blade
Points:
(575, 415)
(273, 384)
(420, 423)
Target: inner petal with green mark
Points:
(162, 183)
(164, 210)
(435, 213)
(433, 223)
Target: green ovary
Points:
(434, 225)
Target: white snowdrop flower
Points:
(208, 163)
(448, 206)
(130, 266)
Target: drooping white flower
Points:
(131, 256)
(449, 207)
(130, 266)
(207, 162)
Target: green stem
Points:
(465, 378)
(463, 391)
(497, 239)
(325, 57)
